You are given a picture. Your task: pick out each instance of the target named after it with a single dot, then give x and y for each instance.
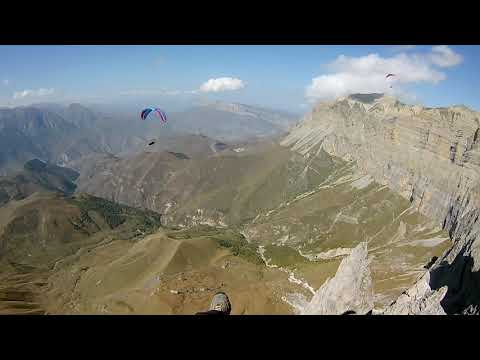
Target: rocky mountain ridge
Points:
(430, 156)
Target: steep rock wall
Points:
(431, 156)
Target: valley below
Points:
(275, 223)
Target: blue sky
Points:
(284, 77)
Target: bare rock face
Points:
(349, 290)
(420, 299)
(431, 156)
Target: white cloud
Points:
(6, 82)
(222, 84)
(33, 93)
(443, 56)
(367, 74)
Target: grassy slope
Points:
(289, 203)
(46, 227)
(339, 215)
(88, 255)
(168, 272)
(241, 187)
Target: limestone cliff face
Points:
(349, 290)
(431, 156)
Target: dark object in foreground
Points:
(220, 305)
(150, 144)
(351, 312)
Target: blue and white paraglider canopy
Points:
(161, 114)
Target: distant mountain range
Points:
(232, 122)
(62, 134)
(37, 176)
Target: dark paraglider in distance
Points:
(389, 75)
(161, 114)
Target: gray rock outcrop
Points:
(431, 156)
(349, 290)
(420, 299)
